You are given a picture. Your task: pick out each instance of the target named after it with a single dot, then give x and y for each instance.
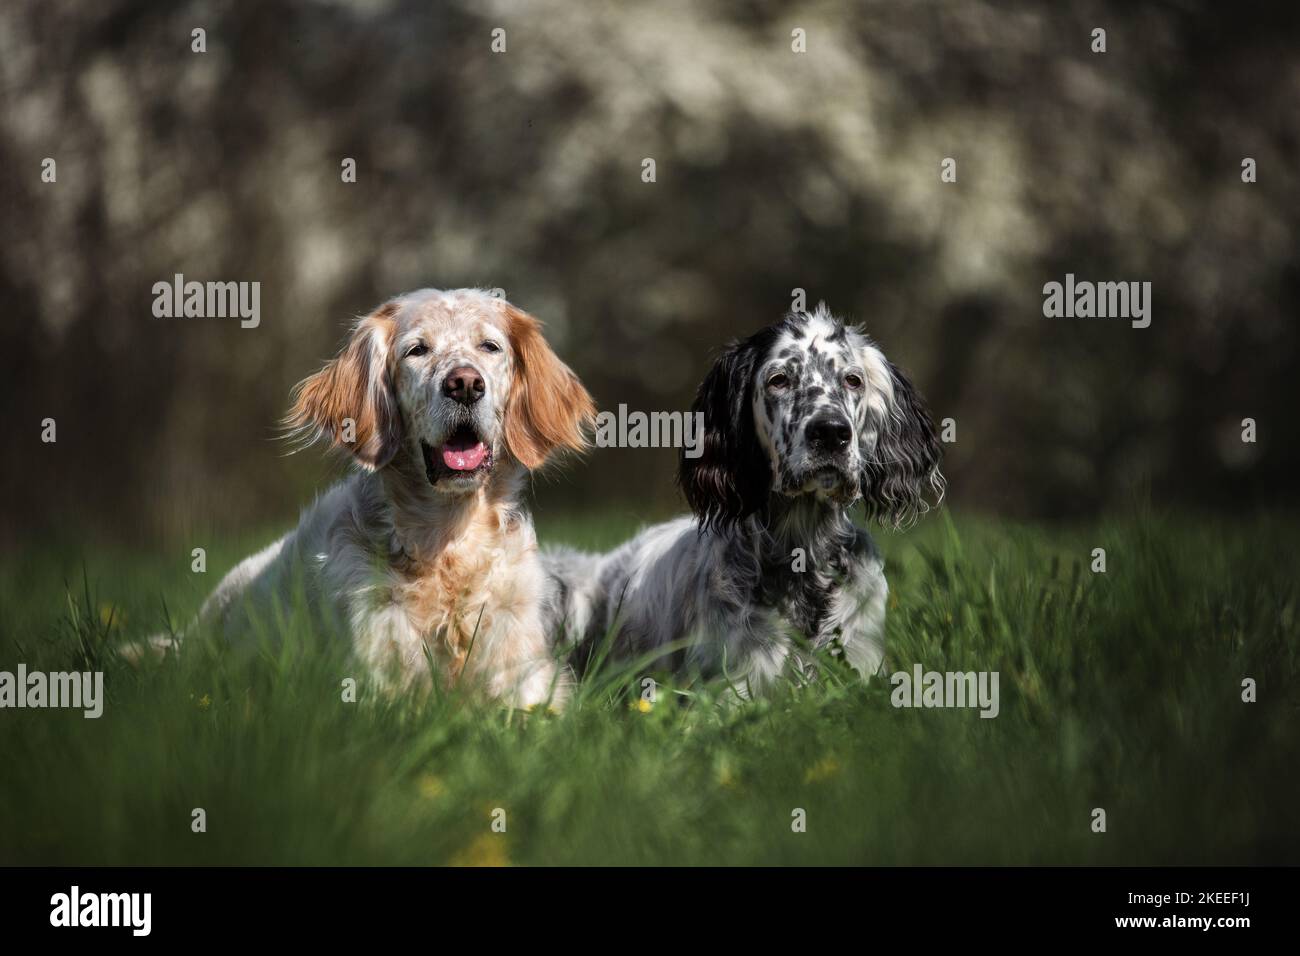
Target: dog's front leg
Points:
(391, 649)
(857, 613)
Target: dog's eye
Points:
(419, 348)
(853, 381)
(490, 346)
(779, 380)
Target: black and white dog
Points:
(801, 420)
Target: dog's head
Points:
(810, 406)
(459, 381)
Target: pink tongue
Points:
(464, 459)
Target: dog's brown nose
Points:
(464, 385)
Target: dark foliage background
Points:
(775, 170)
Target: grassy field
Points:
(1119, 690)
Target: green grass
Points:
(1119, 690)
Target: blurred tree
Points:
(774, 170)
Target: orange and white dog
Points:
(426, 556)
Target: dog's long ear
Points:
(732, 477)
(351, 401)
(548, 408)
(900, 451)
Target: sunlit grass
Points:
(1119, 690)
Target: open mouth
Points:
(462, 455)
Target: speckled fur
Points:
(721, 592)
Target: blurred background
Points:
(523, 170)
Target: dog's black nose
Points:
(464, 385)
(828, 434)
